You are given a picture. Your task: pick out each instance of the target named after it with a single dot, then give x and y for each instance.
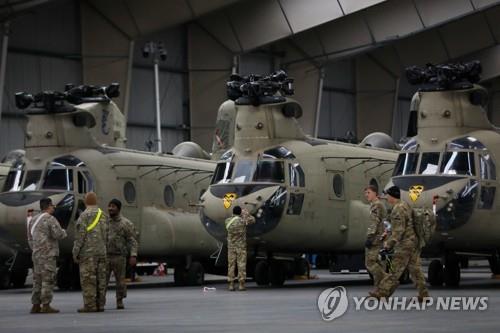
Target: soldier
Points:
(374, 235)
(44, 231)
(89, 250)
(121, 239)
(236, 227)
(403, 242)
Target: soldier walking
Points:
(44, 231)
(403, 242)
(374, 235)
(121, 240)
(89, 250)
(236, 227)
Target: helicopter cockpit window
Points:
(466, 142)
(13, 180)
(269, 171)
(68, 160)
(223, 173)
(297, 177)
(243, 171)
(487, 168)
(458, 163)
(58, 179)
(406, 164)
(32, 180)
(410, 145)
(429, 163)
(228, 155)
(85, 183)
(279, 152)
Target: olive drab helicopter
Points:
(74, 143)
(306, 193)
(452, 163)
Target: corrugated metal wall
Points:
(43, 44)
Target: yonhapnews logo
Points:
(333, 303)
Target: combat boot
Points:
(119, 304)
(46, 308)
(231, 286)
(36, 308)
(375, 293)
(422, 296)
(242, 286)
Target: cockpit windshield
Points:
(269, 171)
(406, 164)
(429, 164)
(458, 163)
(58, 179)
(14, 178)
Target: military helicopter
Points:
(74, 143)
(306, 193)
(451, 163)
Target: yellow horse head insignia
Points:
(415, 192)
(228, 199)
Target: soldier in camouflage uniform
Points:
(403, 242)
(89, 250)
(236, 227)
(44, 231)
(374, 236)
(121, 240)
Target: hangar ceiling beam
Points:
(386, 23)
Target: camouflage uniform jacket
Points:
(376, 227)
(402, 224)
(90, 243)
(44, 232)
(236, 227)
(121, 237)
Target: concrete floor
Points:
(156, 306)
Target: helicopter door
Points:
(488, 182)
(296, 181)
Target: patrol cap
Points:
(116, 202)
(394, 192)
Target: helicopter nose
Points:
(14, 207)
(454, 197)
(266, 202)
(424, 191)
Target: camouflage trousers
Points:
(237, 255)
(117, 265)
(93, 281)
(373, 264)
(406, 256)
(44, 278)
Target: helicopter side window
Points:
(32, 180)
(13, 181)
(297, 177)
(487, 168)
(458, 163)
(243, 171)
(406, 164)
(223, 173)
(58, 179)
(270, 171)
(429, 163)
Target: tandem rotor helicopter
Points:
(452, 162)
(307, 193)
(74, 143)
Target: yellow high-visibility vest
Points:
(96, 220)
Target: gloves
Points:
(75, 260)
(368, 243)
(384, 253)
